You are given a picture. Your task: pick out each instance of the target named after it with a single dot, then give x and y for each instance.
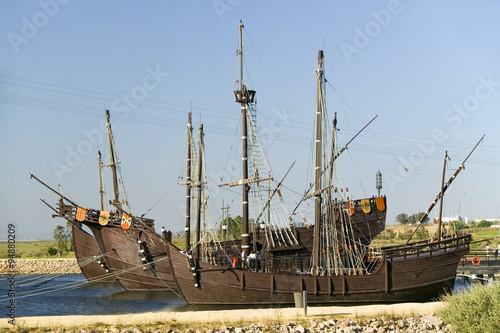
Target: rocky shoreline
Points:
(402, 317)
(41, 266)
(412, 324)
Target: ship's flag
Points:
(349, 205)
(80, 214)
(103, 217)
(380, 203)
(365, 205)
(126, 221)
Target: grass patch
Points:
(32, 250)
(389, 236)
(476, 310)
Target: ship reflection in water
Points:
(43, 295)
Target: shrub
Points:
(386, 234)
(52, 251)
(405, 234)
(476, 310)
(422, 233)
(484, 224)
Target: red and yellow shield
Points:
(126, 221)
(80, 214)
(103, 217)
(365, 205)
(380, 203)
(349, 206)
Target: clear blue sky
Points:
(429, 69)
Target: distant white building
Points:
(494, 220)
(457, 218)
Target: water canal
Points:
(47, 295)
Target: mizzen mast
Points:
(442, 196)
(445, 186)
(187, 228)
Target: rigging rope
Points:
(381, 142)
(290, 113)
(79, 156)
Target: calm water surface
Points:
(43, 295)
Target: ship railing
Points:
(92, 216)
(356, 204)
(427, 248)
(485, 255)
(288, 265)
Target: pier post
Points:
(300, 299)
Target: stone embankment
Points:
(41, 266)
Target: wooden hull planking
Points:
(395, 279)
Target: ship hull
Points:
(125, 258)
(136, 257)
(397, 278)
(86, 248)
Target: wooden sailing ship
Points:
(130, 249)
(340, 269)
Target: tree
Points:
(234, 228)
(63, 238)
(69, 226)
(415, 218)
(402, 218)
(460, 225)
(418, 216)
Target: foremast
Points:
(113, 161)
(101, 181)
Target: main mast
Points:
(318, 166)
(244, 97)
(112, 160)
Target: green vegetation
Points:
(32, 250)
(483, 224)
(476, 310)
(64, 238)
(234, 227)
(396, 234)
(52, 251)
